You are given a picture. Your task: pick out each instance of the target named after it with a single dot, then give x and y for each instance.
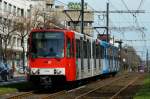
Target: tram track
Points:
(22, 95)
(110, 88)
(79, 92)
(116, 95)
(105, 89)
(38, 94)
(31, 94)
(82, 95)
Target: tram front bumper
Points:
(47, 71)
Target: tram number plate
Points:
(46, 71)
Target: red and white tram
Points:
(64, 54)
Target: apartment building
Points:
(10, 12)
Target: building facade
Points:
(10, 12)
(37, 11)
(69, 17)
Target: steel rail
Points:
(26, 94)
(125, 87)
(82, 95)
(54, 95)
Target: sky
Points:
(124, 20)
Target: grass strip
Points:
(144, 92)
(12, 88)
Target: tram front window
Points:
(47, 44)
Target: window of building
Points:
(18, 12)
(9, 40)
(48, 7)
(69, 23)
(0, 4)
(5, 6)
(28, 13)
(18, 42)
(14, 10)
(9, 8)
(22, 12)
(56, 6)
(89, 24)
(5, 21)
(0, 19)
(9, 22)
(14, 41)
(85, 23)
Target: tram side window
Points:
(97, 51)
(72, 48)
(109, 54)
(88, 53)
(78, 48)
(89, 49)
(81, 53)
(94, 50)
(102, 52)
(85, 49)
(68, 47)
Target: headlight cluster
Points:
(35, 71)
(47, 71)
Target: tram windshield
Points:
(47, 44)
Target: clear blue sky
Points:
(119, 20)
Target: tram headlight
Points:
(34, 70)
(59, 71)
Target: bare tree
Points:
(44, 19)
(23, 29)
(7, 28)
(132, 59)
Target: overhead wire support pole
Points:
(82, 17)
(107, 23)
(147, 61)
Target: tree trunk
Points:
(23, 54)
(23, 59)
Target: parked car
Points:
(6, 71)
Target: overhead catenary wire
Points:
(136, 20)
(134, 16)
(140, 5)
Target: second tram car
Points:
(64, 54)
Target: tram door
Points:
(70, 55)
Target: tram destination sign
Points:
(48, 35)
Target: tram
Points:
(61, 54)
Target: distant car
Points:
(6, 72)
